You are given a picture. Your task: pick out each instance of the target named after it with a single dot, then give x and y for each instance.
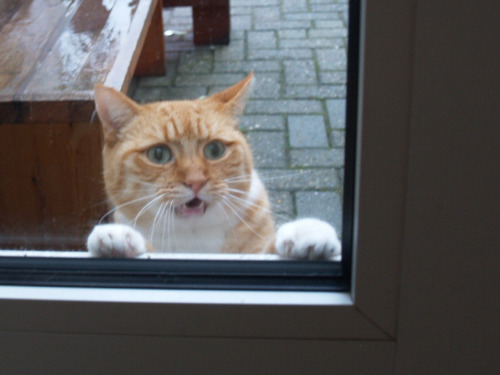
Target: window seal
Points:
(174, 274)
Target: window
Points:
(351, 332)
(405, 313)
(70, 269)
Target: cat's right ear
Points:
(115, 111)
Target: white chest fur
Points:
(193, 238)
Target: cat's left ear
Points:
(235, 97)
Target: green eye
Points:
(159, 154)
(215, 150)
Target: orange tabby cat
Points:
(181, 174)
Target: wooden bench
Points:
(51, 55)
(211, 20)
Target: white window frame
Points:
(361, 324)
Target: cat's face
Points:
(186, 157)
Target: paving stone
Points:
(339, 78)
(337, 138)
(311, 43)
(237, 35)
(182, 12)
(234, 52)
(307, 131)
(332, 59)
(199, 61)
(262, 122)
(317, 157)
(153, 94)
(262, 39)
(267, 85)
(295, 5)
(149, 94)
(282, 25)
(257, 3)
(282, 206)
(180, 22)
(283, 106)
(336, 113)
(267, 14)
(328, 33)
(316, 8)
(247, 66)
(268, 148)
(161, 81)
(280, 54)
(236, 10)
(241, 22)
(308, 16)
(331, 24)
(292, 34)
(208, 79)
(322, 205)
(338, 8)
(301, 179)
(300, 72)
(315, 91)
(176, 49)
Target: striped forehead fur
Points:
(187, 120)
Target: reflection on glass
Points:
(181, 178)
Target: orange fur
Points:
(236, 216)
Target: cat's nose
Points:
(195, 178)
(196, 185)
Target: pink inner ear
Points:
(114, 109)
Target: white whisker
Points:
(288, 175)
(228, 221)
(253, 204)
(145, 208)
(166, 218)
(155, 221)
(243, 177)
(136, 180)
(114, 209)
(230, 205)
(171, 228)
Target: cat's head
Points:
(188, 154)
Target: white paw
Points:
(115, 241)
(307, 239)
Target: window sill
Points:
(84, 254)
(184, 313)
(183, 256)
(217, 297)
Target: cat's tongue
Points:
(195, 207)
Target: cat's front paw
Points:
(307, 239)
(115, 241)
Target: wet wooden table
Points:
(52, 53)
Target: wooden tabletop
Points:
(52, 53)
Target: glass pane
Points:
(294, 121)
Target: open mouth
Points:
(195, 207)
